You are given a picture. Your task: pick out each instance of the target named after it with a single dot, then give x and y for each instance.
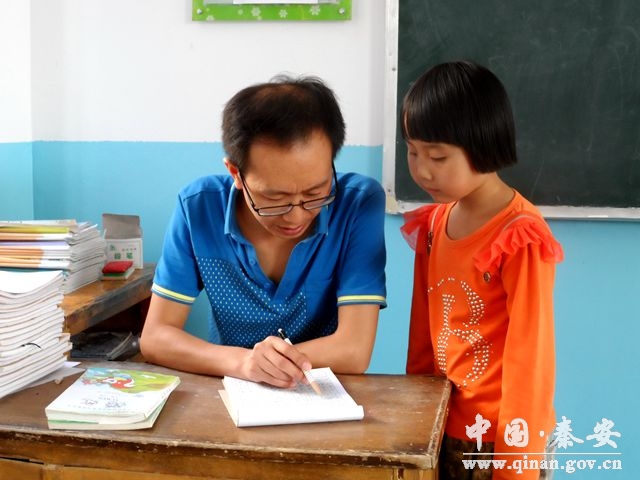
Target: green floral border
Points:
(204, 11)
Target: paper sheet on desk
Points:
(254, 404)
(66, 370)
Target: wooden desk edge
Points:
(441, 420)
(232, 451)
(426, 460)
(84, 314)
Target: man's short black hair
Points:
(284, 110)
(463, 104)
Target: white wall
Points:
(159, 79)
(15, 71)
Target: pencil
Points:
(307, 373)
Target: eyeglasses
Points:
(284, 209)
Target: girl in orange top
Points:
(482, 309)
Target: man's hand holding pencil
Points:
(276, 361)
(307, 372)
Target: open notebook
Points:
(255, 404)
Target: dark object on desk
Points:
(105, 345)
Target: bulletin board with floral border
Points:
(221, 10)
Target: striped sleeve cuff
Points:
(362, 299)
(170, 295)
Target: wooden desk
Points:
(98, 301)
(194, 437)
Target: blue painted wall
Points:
(16, 181)
(597, 291)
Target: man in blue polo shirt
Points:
(283, 241)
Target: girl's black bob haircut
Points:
(464, 104)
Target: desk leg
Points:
(410, 474)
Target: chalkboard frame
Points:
(397, 205)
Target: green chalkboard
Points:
(572, 71)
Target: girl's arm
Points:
(420, 357)
(528, 378)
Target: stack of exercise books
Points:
(32, 342)
(111, 399)
(76, 248)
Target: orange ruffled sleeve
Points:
(519, 234)
(414, 221)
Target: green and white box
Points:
(123, 237)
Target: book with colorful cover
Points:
(40, 226)
(111, 398)
(71, 425)
(34, 230)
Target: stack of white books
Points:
(32, 342)
(76, 248)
